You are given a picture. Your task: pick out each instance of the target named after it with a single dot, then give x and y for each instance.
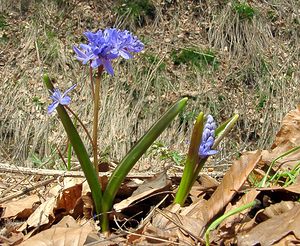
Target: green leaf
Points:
(80, 151)
(134, 155)
(224, 129)
(191, 161)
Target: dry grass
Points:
(257, 76)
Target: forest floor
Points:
(227, 58)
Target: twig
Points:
(26, 190)
(143, 235)
(180, 226)
(7, 168)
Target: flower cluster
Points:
(106, 45)
(208, 138)
(59, 98)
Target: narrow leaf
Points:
(224, 129)
(191, 161)
(134, 155)
(79, 150)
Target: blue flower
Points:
(208, 138)
(104, 46)
(59, 98)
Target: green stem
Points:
(96, 117)
(196, 172)
(223, 130)
(133, 156)
(219, 220)
(80, 151)
(191, 162)
(264, 180)
(69, 156)
(69, 143)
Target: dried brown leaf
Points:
(269, 231)
(161, 236)
(286, 163)
(13, 239)
(68, 198)
(275, 210)
(21, 209)
(201, 187)
(289, 133)
(295, 188)
(65, 233)
(288, 240)
(231, 183)
(287, 138)
(42, 215)
(155, 184)
(250, 196)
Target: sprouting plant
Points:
(165, 153)
(154, 60)
(244, 10)
(136, 10)
(219, 220)
(263, 98)
(3, 23)
(204, 141)
(195, 57)
(102, 48)
(267, 180)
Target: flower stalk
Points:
(96, 117)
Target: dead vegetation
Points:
(226, 56)
(245, 208)
(255, 52)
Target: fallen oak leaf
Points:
(21, 208)
(42, 215)
(289, 133)
(269, 231)
(274, 210)
(65, 233)
(248, 197)
(231, 183)
(155, 184)
(287, 138)
(288, 240)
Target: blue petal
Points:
(96, 63)
(82, 56)
(56, 95)
(108, 67)
(205, 135)
(68, 90)
(212, 152)
(65, 100)
(125, 54)
(210, 119)
(52, 106)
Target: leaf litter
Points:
(144, 214)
